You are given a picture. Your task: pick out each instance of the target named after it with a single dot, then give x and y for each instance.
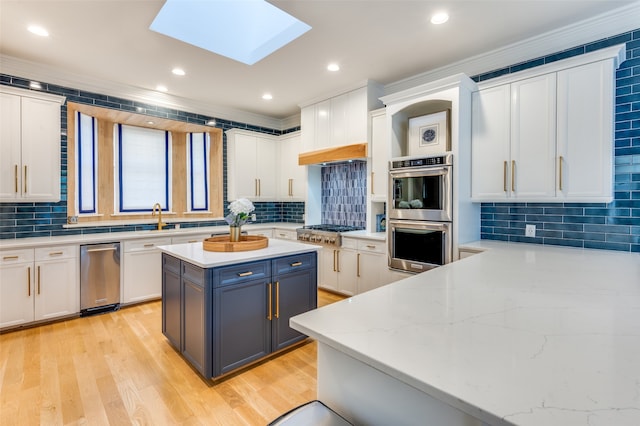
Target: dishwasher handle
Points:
(102, 249)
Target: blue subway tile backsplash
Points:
(23, 220)
(613, 226)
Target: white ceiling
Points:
(96, 43)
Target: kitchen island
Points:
(225, 310)
(519, 334)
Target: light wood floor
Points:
(118, 369)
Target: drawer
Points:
(262, 232)
(375, 246)
(146, 244)
(57, 252)
(197, 238)
(288, 264)
(285, 234)
(193, 273)
(16, 256)
(171, 263)
(349, 243)
(235, 274)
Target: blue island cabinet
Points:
(223, 318)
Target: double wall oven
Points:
(420, 212)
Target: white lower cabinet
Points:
(285, 234)
(182, 239)
(142, 265)
(359, 265)
(262, 232)
(38, 284)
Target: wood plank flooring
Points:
(118, 369)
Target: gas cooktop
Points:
(324, 234)
(332, 228)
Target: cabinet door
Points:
(40, 149)
(308, 128)
(242, 330)
(10, 162)
(533, 136)
(379, 157)
(357, 116)
(57, 290)
(347, 271)
(142, 270)
(295, 293)
(242, 179)
(328, 259)
(266, 163)
(171, 301)
(292, 184)
(194, 330)
(490, 155)
(339, 122)
(372, 271)
(322, 124)
(585, 132)
(16, 294)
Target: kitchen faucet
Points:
(153, 213)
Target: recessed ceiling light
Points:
(161, 88)
(211, 123)
(439, 18)
(178, 71)
(267, 96)
(333, 67)
(38, 30)
(35, 85)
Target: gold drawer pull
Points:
(38, 279)
(10, 258)
(29, 281)
(504, 177)
(56, 253)
(25, 179)
(296, 264)
(149, 245)
(513, 175)
(560, 161)
(245, 274)
(15, 173)
(277, 299)
(358, 266)
(270, 302)
(371, 246)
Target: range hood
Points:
(356, 151)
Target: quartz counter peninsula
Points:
(225, 310)
(520, 334)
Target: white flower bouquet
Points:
(239, 212)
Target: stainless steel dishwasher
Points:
(99, 278)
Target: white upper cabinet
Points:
(379, 152)
(262, 167)
(292, 178)
(251, 163)
(533, 132)
(29, 146)
(548, 137)
(585, 132)
(340, 120)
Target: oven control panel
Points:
(440, 160)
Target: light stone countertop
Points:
(364, 235)
(520, 334)
(21, 243)
(196, 255)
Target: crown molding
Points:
(34, 71)
(597, 28)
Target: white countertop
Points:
(195, 254)
(365, 235)
(520, 334)
(91, 238)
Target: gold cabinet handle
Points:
(149, 245)
(25, 179)
(513, 175)
(56, 253)
(15, 174)
(295, 264)
(338, 257)
(290, 187)
(277, 299)
(255, 187)
(270, 301)
(334, 261)
(38, 279)
(371, 246)
(245, 274)
(29, 281)
(372, 191)
(560, 161)
(358, 266)
(10, 258)
(504, 177)
(259, 188)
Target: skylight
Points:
(245, 31)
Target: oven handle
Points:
(427, 171)
(419, 225)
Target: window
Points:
(86, 148)
(143, 168)
(198, 147)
